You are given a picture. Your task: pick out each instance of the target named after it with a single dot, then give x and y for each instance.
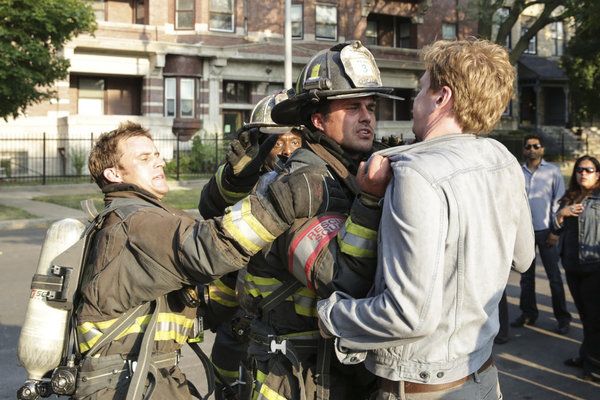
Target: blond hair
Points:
(105, 153)
(480, 76)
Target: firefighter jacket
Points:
(144, 251)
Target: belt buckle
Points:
(275, 345)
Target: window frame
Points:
(178, 98)
(301, 36)
(236, 99)
(99, 6)
(136, 17)
(211, 12)
(179, 11)
(83, 94)
(449, 24)
(370, 37)
(317, 23)
(533, 40)
(556, 39)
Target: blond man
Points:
(455, 219)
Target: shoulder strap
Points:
(336, 165)
(287, 288)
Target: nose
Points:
(287, 150)
(365, 114)
(160, 162)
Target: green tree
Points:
(32, 35)
(582, 64)
(502, 13)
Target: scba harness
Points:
(81, 370)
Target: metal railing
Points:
(44, 158)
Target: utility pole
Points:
(288, 44)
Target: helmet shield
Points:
(347, 70)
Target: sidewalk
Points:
(47, 213)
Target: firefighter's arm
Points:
(236, 178)
(211, 248)
(335, 253)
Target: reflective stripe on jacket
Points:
(170, 326)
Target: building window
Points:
(448, 31)
(187, 97)
(499, 17)
(297, 13)
(170, 96)
(371, 33)
(99, 8)
(221, 15)
(107, 95)
(180, 97)
(558, 37)
(139, 12)
(236, 92)
(326, 22)
(90, 100)
(233, 120)
(390, 31)
(184, 14)
(396, 110)
(532, 46)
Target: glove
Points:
(305, 193)
(245, 157)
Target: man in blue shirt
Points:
(545, 186)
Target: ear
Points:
(112, 175)
(445, 97)
(317, 120)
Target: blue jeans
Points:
(549, 257)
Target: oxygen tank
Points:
(43, 335)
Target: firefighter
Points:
(221, 311)
(136, 308)
(335, 101)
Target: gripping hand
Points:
(245, 156)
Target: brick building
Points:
(197, 67)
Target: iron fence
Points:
(45, 158)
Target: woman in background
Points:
(578, 221)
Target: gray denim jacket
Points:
(455, 219)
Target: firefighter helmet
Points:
(261, 114)
(346, 70)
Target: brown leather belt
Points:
(414, 387)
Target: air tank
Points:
(42, 338)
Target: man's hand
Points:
(245, 157)
(306, 193)
(373, 177)
(551, 240)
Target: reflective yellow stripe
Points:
(229, 375)
(305, 299)
(245, 228)
(357, 241)
(222, 294)
(266, 393)
(169, 327)
(228, 196)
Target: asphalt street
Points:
(530, 364)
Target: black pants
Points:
(585, 289)
(549, 257)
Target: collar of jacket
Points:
(121, 190)
(337, 151)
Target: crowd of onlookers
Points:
(567, 228)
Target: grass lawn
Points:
(182, 199)
(8, 213)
